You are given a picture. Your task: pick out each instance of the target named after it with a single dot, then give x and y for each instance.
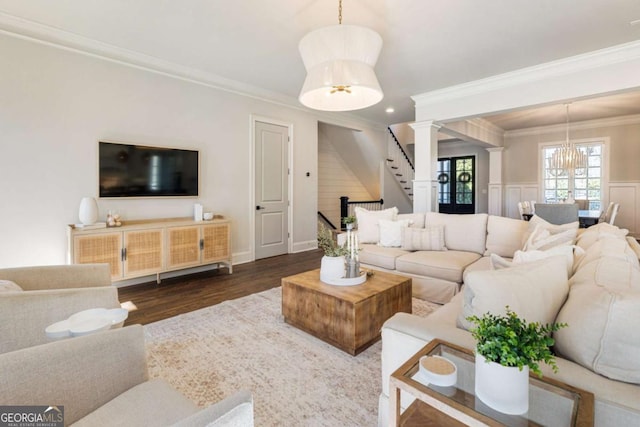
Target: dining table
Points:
(586, 217)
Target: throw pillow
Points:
(497, 262)
(504, 235)
(423, 239)
(368, 229)
(600, 231)
(391, 232)
(9, 286)
(461, 232)
(602, 335)
(535, 291)
(609, 247)
(523, 257)
(543, 238)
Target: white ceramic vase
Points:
(331, 267)
(503, 388)
(88, 212)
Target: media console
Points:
(146, 247)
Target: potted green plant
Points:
(348, 221)
(507, 349)
(332, 263)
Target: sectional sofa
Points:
(435, 250)
(588, 279)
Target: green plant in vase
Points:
(328, 244)
(511, 341)
(508, 348)
(349, 221)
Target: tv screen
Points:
(127, 170)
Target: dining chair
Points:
(604, 217)
(558, 214)
(583, 204)
(532, 204)
(521, 210)
(614, 213)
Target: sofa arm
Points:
(404, 334)
(25, 315)
(80, 373)
(59, 276)
(236, 410)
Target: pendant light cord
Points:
(340, 12)
(567, 137)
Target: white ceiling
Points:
(428, 45)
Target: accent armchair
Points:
(102, 380)
(50, 294)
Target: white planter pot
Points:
(88, 212)
(331, 267)
(503, 388)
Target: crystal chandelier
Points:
(568, 157)
(339, 60)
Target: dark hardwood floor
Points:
(191, 292)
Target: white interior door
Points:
(272, 198)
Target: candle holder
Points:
(351, 262)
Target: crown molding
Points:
(587, 61)
(588, 124)
(21, 28)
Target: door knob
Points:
(259, 208)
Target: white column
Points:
(495, 180)
(425, 184)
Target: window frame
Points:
(604, 167)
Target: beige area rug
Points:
(296, 379)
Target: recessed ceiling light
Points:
(389, 110)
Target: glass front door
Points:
(456, 185)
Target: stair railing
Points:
(347, 207)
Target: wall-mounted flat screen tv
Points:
(127, 170)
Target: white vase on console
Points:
(88, 212)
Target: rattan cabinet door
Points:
(143, 252)
(100, 248)
(216, 239)
(183, 247)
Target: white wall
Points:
(56, 104)
(335, 179)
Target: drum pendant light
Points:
(339, 60)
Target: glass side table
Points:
(551, 403)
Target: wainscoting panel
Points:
(495, 199)
(515, 193)
(627, 194)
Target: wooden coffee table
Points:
(348, 317)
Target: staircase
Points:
(400, 165)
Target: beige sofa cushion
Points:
(603, 333)
(447, 265)
(612, 273)
(368, 228)
(461, 232)
(380, 256)
(634, 245)
(152, 400)
(535, 291)
(424, 239)
(482, 264)
(504, 235)
(9, 286)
